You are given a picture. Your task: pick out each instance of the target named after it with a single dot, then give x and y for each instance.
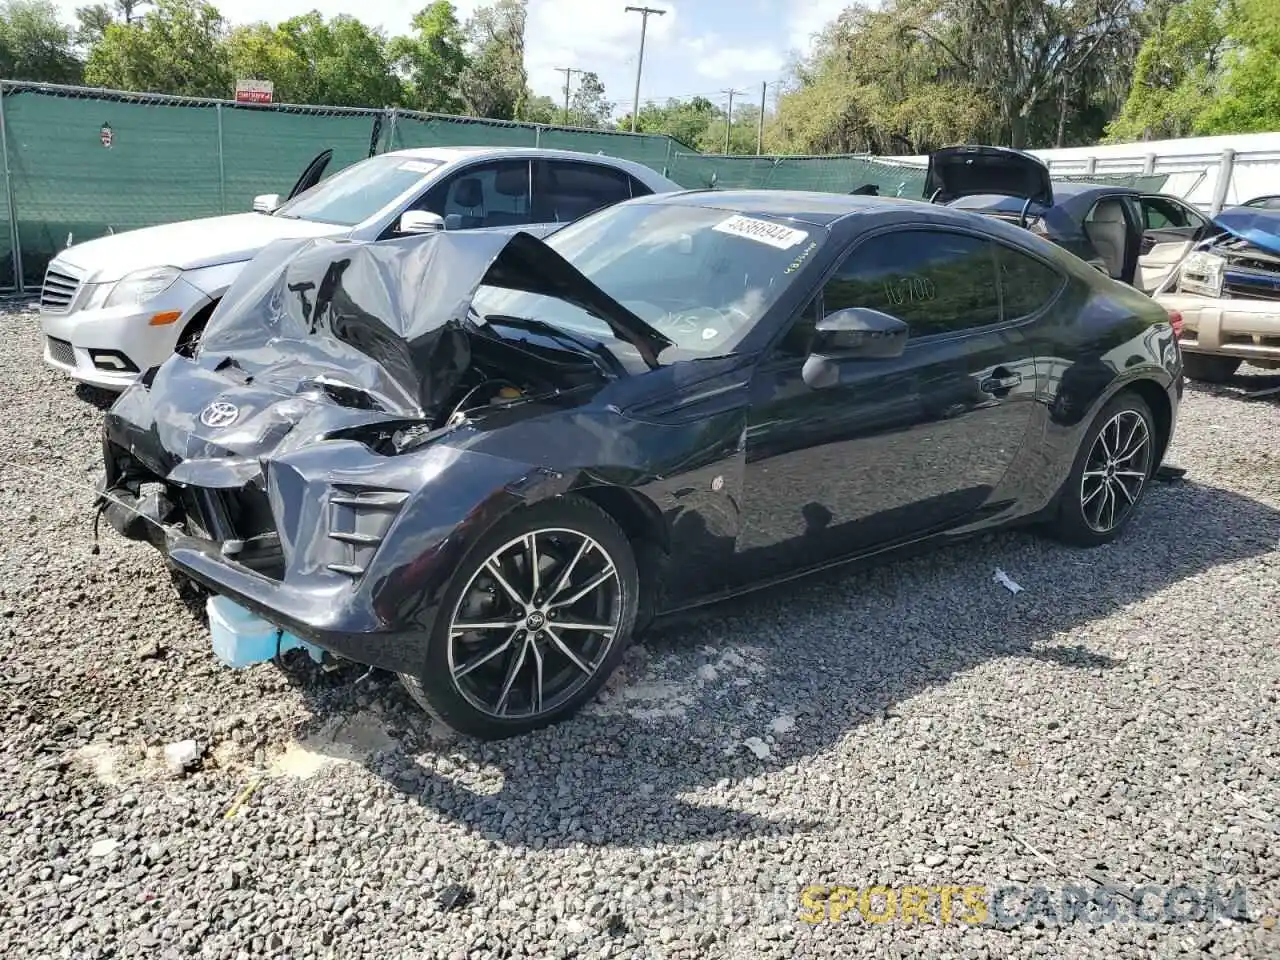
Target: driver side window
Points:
(485, 195)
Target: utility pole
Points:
(644, 26)
(764, 87)
(728, 117)
(568, 73)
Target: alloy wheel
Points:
(534, 623)
(1116, 471)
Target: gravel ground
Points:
(915, 725)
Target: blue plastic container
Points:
(241, 638)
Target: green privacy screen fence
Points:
(82, 163)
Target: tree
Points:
(35, 44)
(91, 24)
(588, 106)
(178, 47)
(432, 60)
(129, 9)
(1175, 75)
(539, 109)
(339, 62)
(1249, 98)
(1017, 51)
(874, 84)
(494, 83)
(685, 120)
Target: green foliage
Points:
(494, 82)
(91, 23)
(178, 47)
(35, 44)
(431, 60)
(540, 109)
(877, 84)
(588, 106)
(1175, 74)
(885, 77)
(685, 120)
(1249, 99)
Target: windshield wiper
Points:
(595, 349)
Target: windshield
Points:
(355, 194)
(702, 276)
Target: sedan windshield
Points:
(702, 276)
(355, 194)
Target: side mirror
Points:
(854, 333)
(453, 221)
(420, 221)
(266, 203)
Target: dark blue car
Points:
(1134, 237)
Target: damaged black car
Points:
(484, 461)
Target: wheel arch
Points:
(1157, 399)
(197, 321)
(643, 523)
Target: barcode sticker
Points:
(762, 231)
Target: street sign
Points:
(254, 91)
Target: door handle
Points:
(1000, 384)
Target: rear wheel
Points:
(1210, 369)
(536, 619)
(1110, 475)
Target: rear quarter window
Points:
(1027, 285)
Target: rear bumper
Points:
(1248, 329)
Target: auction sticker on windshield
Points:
(762, 231)
(418, 166)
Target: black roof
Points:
(1066, 193)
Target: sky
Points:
(698, 47)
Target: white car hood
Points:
(188, 244)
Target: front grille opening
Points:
(59, 291)
(241, 522)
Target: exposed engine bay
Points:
(1231, 267)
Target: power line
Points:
(568, 74)
(728, 117)
(644, 26)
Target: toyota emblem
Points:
(219, 414)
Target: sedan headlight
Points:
(135, 289)
(1202, 274)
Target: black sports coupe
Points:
(485, 461)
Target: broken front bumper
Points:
(1227, 327)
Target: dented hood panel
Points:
(1253, 225)
(389, 318)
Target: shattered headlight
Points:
(1202, 274)
(135, 289)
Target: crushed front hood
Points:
(1254, 225)
(391, 318)
(977, 170)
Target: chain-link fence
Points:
(80, 163)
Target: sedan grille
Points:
(59, 291)
(62, 352)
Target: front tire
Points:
(1110, 475)
(1209, 369)
(535, 620)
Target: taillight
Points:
(1175, 321)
